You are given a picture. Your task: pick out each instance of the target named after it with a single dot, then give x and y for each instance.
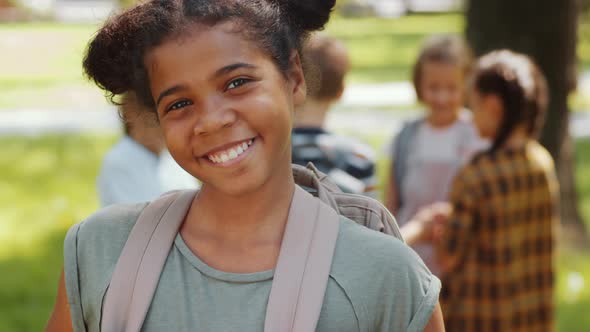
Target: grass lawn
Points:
(41, 66)
(384, 50)
(48, 184)
(41, 62)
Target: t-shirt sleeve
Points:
(72, 280)
(411, 296)
(457, 233)
(91, 250)
(427, 288)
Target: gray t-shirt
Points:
(377, 283)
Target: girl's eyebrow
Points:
(170, 91)
(229, 68)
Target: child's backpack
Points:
(349, 163)
(302, 270)
(363, 210)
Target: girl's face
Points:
(442, 91)
(225, 108)
(487, 113)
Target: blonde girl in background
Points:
(427, 152)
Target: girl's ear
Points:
(296, 79)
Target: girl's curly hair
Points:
(114, 58)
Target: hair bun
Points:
(108, 61)
(307, 15)
(114, 54)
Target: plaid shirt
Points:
(501, 236)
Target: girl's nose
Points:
(213, 118)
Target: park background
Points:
(55, 127)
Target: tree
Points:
(546, 30)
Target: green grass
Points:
(41, 66)
(384, 50)
(48, 184)
(41, 62)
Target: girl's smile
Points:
(230, 154)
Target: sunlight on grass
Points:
(43, 60)
(385, 49)
(41, 66)
(42, 53)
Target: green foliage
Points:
(383, 49)
(126, 3)
(47, 185)
(44, 59)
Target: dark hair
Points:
(521, 87)
(114, 58)
(446, 49)
(328, 60)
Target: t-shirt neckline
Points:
(207, 270)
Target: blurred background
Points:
(55, 126)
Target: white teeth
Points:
(231, 153)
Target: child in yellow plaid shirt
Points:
(496, 237)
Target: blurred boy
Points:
(348, 162)
(138, 167)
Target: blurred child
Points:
(350, 163)
(428, 151)
(138, 168)
(496, 250)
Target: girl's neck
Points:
(242, 221)
(517, 139)
(442, 122)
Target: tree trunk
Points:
(546, 30)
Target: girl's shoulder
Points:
(384, 276)
(366, 251)
(94, 245)
(540, 156)
(108, 225)
(91, 250)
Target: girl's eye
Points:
(179, 105)
(237, 83)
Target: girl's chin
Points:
(230, 188)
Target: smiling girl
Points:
(224, 78)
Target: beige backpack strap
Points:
(299, 283)
(134, 279)
(303, 267)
